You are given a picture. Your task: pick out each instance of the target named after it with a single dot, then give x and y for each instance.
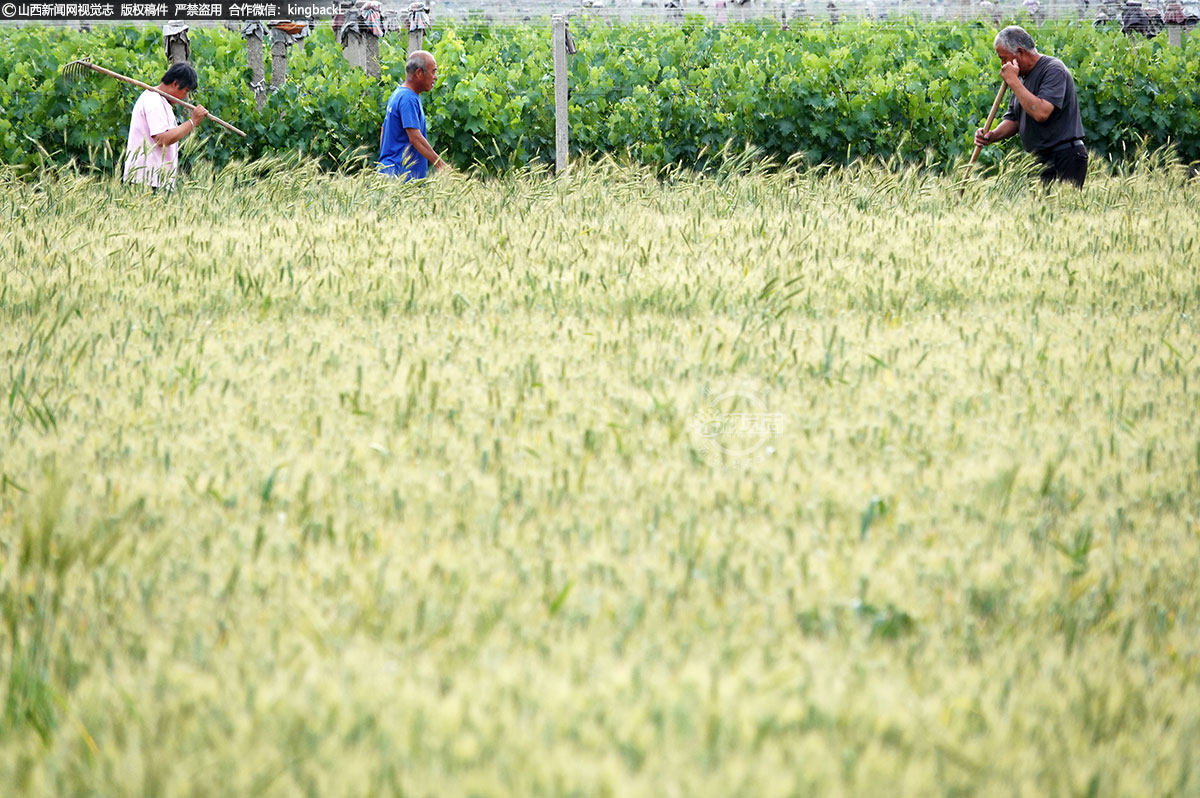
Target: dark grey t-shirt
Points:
(1049, 80)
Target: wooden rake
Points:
(987, 126)
(77, 69)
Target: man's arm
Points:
(1002, 131)
(1037, 108)
(421, 145)
(169, 137)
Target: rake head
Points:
(77, 69)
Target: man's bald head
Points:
(418, 59)
(420, 71)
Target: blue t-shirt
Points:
(397, 157)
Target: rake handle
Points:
(175, 100)
(987, 126)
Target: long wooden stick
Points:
(139, 84)
(987, 126)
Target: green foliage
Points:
(658, 94)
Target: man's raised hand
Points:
(1010, 73)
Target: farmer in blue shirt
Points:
(403, 149)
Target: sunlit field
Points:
(759, 483)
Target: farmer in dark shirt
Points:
(1043, 108)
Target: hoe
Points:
(77, 69)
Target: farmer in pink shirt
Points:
(153, 152)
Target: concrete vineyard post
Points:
(362, 50)
(418, 23)
(558, 32)
(279, 56)
(371, 46)
(254, 60)
(177, 42)
(359, 36)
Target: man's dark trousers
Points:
(1067, 162)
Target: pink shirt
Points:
(145, 161)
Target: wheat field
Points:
(763, 482)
